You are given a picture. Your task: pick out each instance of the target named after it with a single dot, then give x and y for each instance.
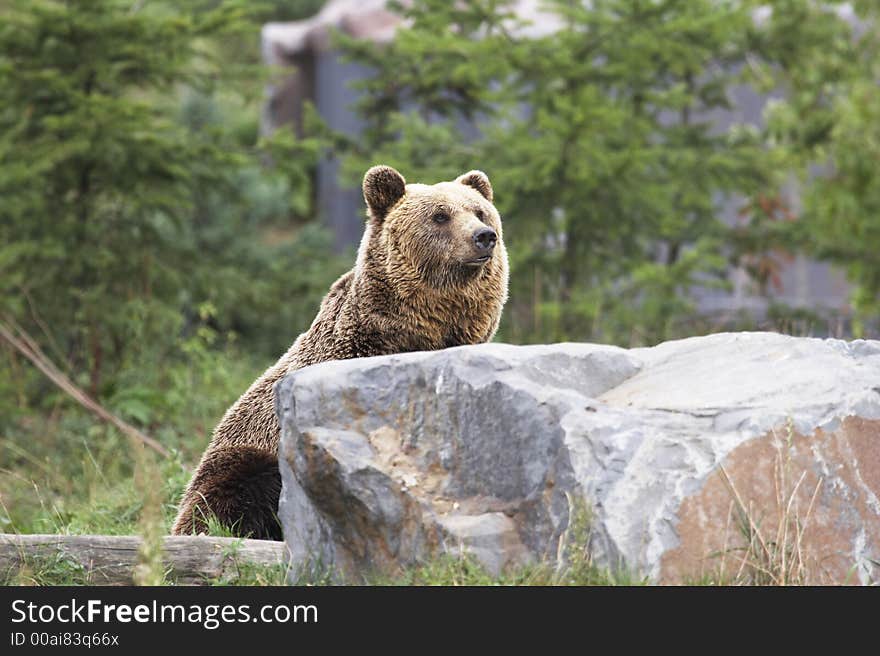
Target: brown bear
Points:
(431, 272)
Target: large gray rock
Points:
(486, 448)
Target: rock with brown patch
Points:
(744, 457)
(431, 272)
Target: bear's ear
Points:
(479, 181)
(383, 186)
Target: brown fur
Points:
(411, 289)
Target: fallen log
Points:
(110, 559)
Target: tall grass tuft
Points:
(773, 553)
(150, 569)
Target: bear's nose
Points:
(485, 239)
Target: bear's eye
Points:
(481, 215)
(440, 217)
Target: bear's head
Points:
(444, 236)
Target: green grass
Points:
(85, 485)
(465, 570)
(47, 570)
(64, 472)
(443, 570)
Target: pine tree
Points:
(828, 126)
(597, 135)
(96, 176)
(134, 194)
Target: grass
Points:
(81, 486)
(770, 552)
(47, 570)
(465, 570)
(63, 472)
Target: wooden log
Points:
(110, 559)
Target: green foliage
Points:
(288, 10)
(598, 139)
(609, 170)
(123, 210)
(91, 168)
(135, 192)
(159, 250)
(54, 569)
(246, 573)
(828, 125)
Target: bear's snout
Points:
(485, 240)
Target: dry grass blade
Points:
(779, 558)
(745, 512)
(782, 539)
(802, 527)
